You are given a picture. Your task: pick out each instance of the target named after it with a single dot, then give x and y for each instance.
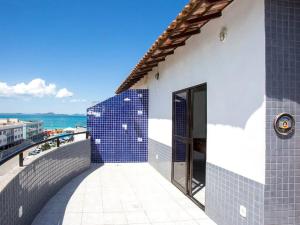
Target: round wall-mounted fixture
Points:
(284, 124)
(157, 76)
(223, 34)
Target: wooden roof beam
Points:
(218, 1)
(155, 61)
(134, 79)
(148, 66)
(185, 34)
(197, 19)
(162, 54)
(165, 47)
(138, 77)
(141, 71)
(141, 74)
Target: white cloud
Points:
(76, 100)
(64, 93)
(35, 88)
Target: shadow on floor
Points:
(58, 204)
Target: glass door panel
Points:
(198, 135)
(180, 163)
(181, 114)
(180, 140)
(189, 142)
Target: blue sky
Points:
(63, 55)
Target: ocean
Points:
(51, 121)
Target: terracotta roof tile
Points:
(189, 22)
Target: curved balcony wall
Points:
(32, 186)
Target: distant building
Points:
(11, 133)
(14, 131)
(33, 130)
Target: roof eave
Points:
(188, 23)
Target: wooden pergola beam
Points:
(197, 19)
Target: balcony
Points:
(63, 187)
(104, 177)
(120, 194)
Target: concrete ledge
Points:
(25, 194)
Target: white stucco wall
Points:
(234, 71)
(18, 133)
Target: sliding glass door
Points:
(189, 142)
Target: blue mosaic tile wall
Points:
(226, 191)
(282, 188)
(119, 128)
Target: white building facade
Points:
(33, 130)
(213, 105)
(14, 131)
(11, 134)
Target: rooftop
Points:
(10, 123)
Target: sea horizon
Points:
(47, 113)
(50, 120)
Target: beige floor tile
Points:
(189, 222)
(121, 194)
(92, 219)
(114, 218)
(137, 217)
(158, 216)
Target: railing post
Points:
(57, 142)
(21, 159)
(21, 151)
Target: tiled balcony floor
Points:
(120, 194)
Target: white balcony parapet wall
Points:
(23, 195)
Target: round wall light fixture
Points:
(223, 34)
